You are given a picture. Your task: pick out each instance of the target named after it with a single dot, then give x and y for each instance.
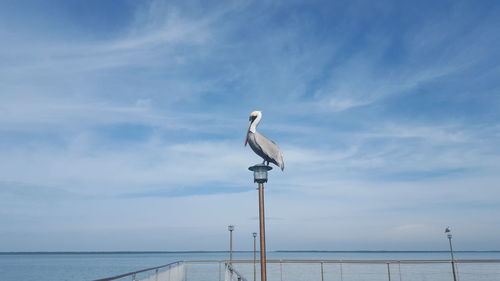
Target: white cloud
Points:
(189, 77)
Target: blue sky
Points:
(122, 124)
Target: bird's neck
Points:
(255, 123)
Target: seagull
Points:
(447, 230)
(261, 145)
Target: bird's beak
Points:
(248, 130)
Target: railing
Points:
(375, 270)
(319, 270)
(232, 274)
(172, 272)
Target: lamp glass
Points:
(260, 176)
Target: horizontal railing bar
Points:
(136, 272)
(352, 261)
(231, 268)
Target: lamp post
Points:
(260, 177)
(447, 231)
(230, 228)
(254, 256)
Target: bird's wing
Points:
(271, 149)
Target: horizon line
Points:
(243, 251)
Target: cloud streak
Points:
(387, 119)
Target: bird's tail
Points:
(281, 163)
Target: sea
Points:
(87, 266)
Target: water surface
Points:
(90, 266)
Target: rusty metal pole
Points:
(260, 177)
(262, 227)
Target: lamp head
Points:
(447, 231)
(260, 172)
(230, 227)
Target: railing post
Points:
(341, 273)
(220, 271)
(399, 269)
(389, 271)
(281, 270)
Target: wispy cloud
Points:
(387, 118)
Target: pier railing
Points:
(318, 270)
(174, 271)
(232, 274)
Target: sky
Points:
(122, 124)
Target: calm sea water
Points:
(90, 266)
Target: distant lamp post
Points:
(447, 231)
(254, 256)
(230, 228)
(260, 177)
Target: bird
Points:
(261, 145)
(447, 230)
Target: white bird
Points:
(261, 145)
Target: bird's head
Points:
(253, 116)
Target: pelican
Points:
(261, 145)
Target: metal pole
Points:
(399, 269)
(230, 246)
(281, 270)
(254, 257)
(452, 259)
(262, 225)
(341, 273)
(389, 271)
(322, 277)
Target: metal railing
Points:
(145, 274)
(232, 274)
(319, 270)
(380, 270)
